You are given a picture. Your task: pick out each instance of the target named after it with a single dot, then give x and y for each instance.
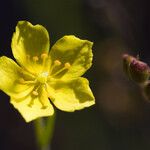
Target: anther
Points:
(67, 65)
(35, 58)
(35, 93)
(44, 55)
(57, 62)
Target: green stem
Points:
(44, 128)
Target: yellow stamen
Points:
(46, 89)
(22, 81)
(57, 63)
(28, 57)
(44, 55)
(35, 58)
(44, 106)
(35, 93)
(67, 65)
(31, 103)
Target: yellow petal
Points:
(30, 112)
(10, 73)
(29, 43)
(71, 95)
(73, 53)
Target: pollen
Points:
(35, 58)
(57, 62)
(44, 55)
(67, 65)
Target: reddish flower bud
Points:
(135, 69)
(139, 71)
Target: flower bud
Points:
(135, 69)
(139, 71)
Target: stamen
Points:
(24, 72)
(57, 63)
(30, 60)
(43, 97)
(31, 103)
(35, 58)
(35, 93)
(47, 90)
(67, 65)
(44, 56)
(28, 57)
(44, 106)
(22, 81)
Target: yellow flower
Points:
(43, 77)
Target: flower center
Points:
(42, 77)
(40, 80)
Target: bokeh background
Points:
(120, 120)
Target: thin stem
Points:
(44, 128)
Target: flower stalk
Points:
(44, 129)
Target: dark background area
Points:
(120, 119)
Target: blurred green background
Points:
(120, 119)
